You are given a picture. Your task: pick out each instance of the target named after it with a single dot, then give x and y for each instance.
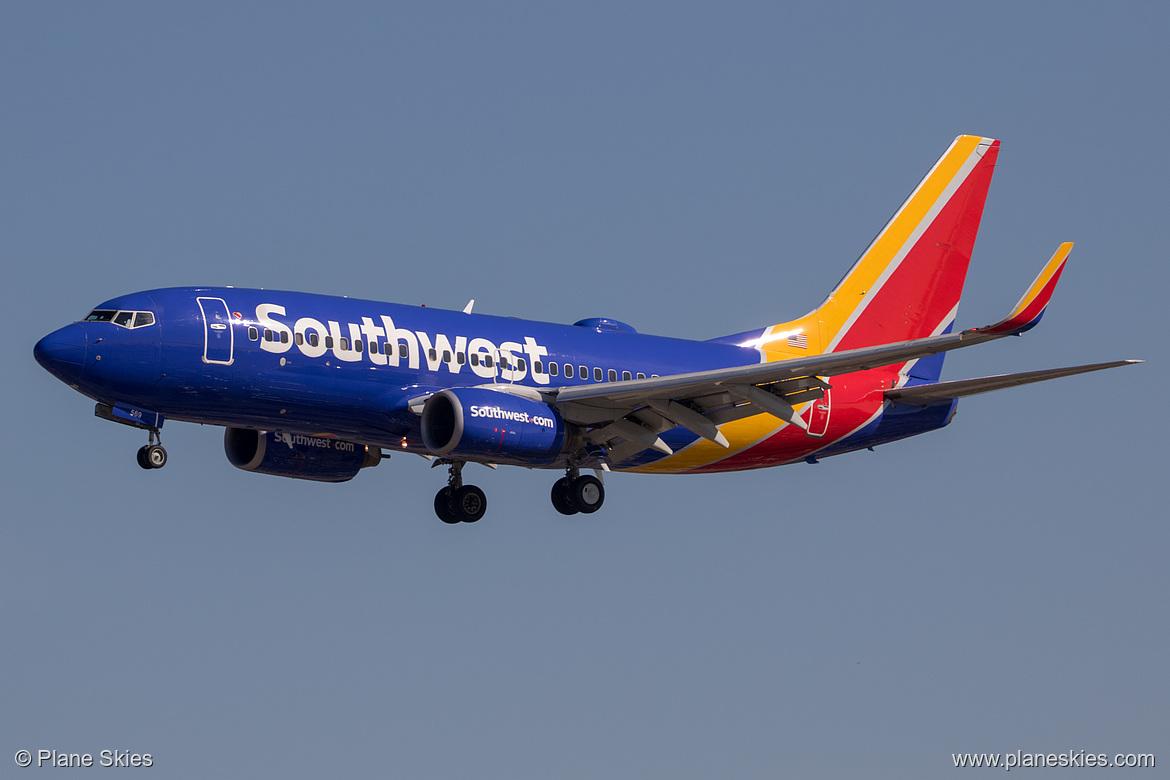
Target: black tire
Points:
(587, 493)
(443, 506)
(469, 503)
(142, 461)
(155, 456)
(561, 500)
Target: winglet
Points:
(1031, 307)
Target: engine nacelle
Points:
(488, 425)
(297, 456)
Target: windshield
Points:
(127, 319)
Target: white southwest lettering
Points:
(482, 348)
(302, 327)
(396, 337)
(348, 355)
(442, 344)
(293, 440)
(512, 373)
(276, 345)
(393, 340)
(373, 336)
(496, 413)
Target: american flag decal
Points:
(800, 341)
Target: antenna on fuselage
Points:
(467, 308)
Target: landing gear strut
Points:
(459, 503)
(575, 493)
(152, 455)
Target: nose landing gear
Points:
(152, 455)
(575, 493)
(459, 503)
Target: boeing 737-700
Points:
(318, 387)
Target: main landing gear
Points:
(152, 455)
(575, 493)
(459, 503)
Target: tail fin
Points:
(907, 284)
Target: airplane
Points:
(319, 387)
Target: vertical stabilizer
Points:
(908, 282)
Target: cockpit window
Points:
(127, 319)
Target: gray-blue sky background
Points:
(691, 170)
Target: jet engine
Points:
(295, 455)
(468, 423)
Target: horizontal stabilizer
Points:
(922, 395)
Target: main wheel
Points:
(587, 493)
(142, 461)
(469, 503)
(561, 500)
(155, 456)
(444, 508)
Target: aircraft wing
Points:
(636, 411)
(640, 409)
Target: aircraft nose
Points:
(62, 352)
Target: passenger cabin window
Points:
(475, 358)
(568, 370)
(267, 335)
(554, 368)
(284, 337)
(626, 376)
(460, 358)
(537, 367)
(641, 375)
(597, 375)
(613, 375)
(432, 354)
(583, 372)
(446, 356)
(489, 361)
(357, 346)
(520, 364)
(253, 334)
(344, 344)
(402, 351)
(328, 342)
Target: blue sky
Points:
(694, 171)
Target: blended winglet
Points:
(1031, 307)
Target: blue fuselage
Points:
(267, 359)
